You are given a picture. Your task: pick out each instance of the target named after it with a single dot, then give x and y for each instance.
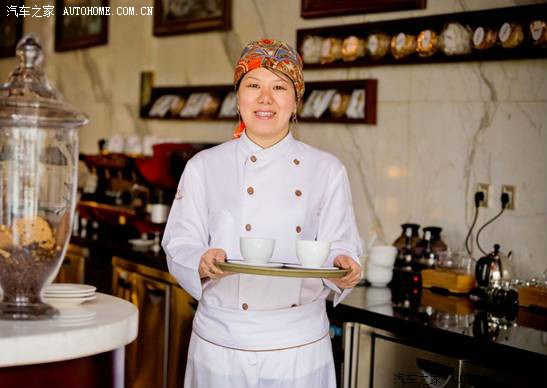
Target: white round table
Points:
(103, 325)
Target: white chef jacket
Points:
(288, 191)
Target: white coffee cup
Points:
(256, 250)
(312, 253)
(383, 255)
(158, 213)
(378, 276)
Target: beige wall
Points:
(441, 128)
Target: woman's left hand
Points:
(352, 277)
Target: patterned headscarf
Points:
(272, 54)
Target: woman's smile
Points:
(264, 114)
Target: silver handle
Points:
(348, 330)
(354, 355)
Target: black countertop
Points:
(453, 326)
(105, 249)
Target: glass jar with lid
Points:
(429, 248)
(38, 160)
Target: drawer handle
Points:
(156, 292)
(122, 283)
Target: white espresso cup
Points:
(378, 276)
(159, 213)
(312, 253)
(256, 250)
(383, 255)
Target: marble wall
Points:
(441, 128)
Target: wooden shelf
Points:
(150, 94)
(220, 91)
(486, 18)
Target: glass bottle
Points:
(399, 243)
(437, 245)
(404, 254)
(427, 257)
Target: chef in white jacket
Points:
(254, 331)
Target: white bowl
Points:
(378, 276)
(256, 250)
(312, 253)
(383, 255)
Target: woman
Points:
(261, 331)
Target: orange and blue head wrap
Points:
(272, 54)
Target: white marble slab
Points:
(102, 325)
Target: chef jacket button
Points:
(298, 229)
(250, 190)
(298, 193)
(296, 161)
(253, 158)
(248, 227)
(244, 306)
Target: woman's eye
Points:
(280, 87)
(252, 85)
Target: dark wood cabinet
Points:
(157, 358)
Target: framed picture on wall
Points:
(325, 8)
(11, 30)
(174, 17)
(80, 31)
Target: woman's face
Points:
(266, 102)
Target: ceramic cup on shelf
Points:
(378, 276)
(256, 250)
(159, 213)
(383, 255)
(312, 253)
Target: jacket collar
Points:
(248, 147)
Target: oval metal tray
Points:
(284, 272)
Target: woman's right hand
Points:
(207, 266)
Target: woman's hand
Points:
(207, 266)
(352, 277)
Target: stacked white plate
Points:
(69, 294)
(77, 316)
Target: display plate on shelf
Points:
(317, 53)
(283, 272)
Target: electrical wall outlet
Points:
(511, 191)
(485, 189)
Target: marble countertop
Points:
(98, 326)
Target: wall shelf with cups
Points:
(486, 35)
(346, 102)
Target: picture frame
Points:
(175, 17)
(74, 32)
(11, 31)
(326, 8)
